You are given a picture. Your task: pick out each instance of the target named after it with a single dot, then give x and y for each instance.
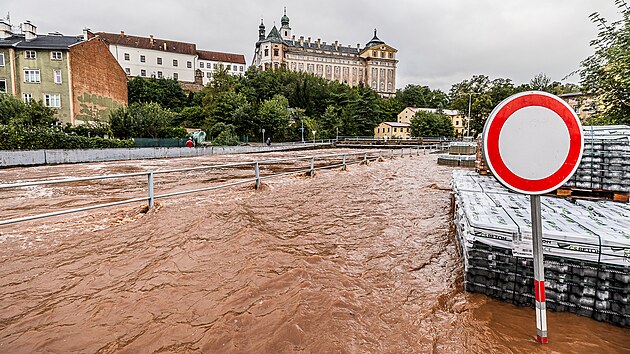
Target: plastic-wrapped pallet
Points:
(586, 249)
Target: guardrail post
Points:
(365, 158)
(402, 152)
(312, 166)
(417, 150)
(257, 172)
(150, 188)
(391, 153)
(344, 163)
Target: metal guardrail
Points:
(344, 160)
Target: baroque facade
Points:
(373, 65)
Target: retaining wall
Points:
(42, 157)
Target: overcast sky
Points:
(439, 42)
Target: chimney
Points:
(309, 41)
(324, 43)
(5, 29)
(122, 33)
(151, 39)
(293, 38)
(301, 41)
(358, 45)
(87, 34)
(319, 43)
(164, 45)
(29, 30)
(336, 45)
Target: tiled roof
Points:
(328, 47)
(396, 124)
(224, 57)
(448, 112)
(149, 43)
(41, 42)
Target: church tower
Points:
(261, 30)
(285, 30)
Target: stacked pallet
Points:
(460, 153)
(586, 249)
(605, 163)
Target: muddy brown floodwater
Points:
(362, 261)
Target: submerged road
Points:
(362, 261)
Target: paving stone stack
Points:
(605, 163)
(586, 249)
(460, 153)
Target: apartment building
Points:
(459, 120)
(162, 58)
(71, 74)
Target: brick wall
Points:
(99, 84)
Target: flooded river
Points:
(361, 261)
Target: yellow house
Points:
(459, 120)
(392, 130)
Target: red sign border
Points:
(492, 131)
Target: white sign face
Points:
(533, 142)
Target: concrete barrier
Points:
(42, 157)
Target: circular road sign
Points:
(533, 142)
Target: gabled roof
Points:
(149, 43)
(46, 42)
(218, 56)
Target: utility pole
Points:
(469, 105)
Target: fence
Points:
(328, 161)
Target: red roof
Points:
(148, 43)
(224, 57)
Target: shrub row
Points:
(16, 138)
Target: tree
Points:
(14, 111)
(606, 73)
(147, 120)
(431, 124)
(422, 97)
(166, 92)
(540, 82)
(274, 117)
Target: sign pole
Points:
(539, 271)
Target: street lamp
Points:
(314, 131)
(469, 104)
(263, 131)
(337, 134)
(302, 129)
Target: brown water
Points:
(361, 261)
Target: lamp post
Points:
(469, 105)
(337, 134)
(302, 129)
(314, 131)
(263, 132)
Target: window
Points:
(276, 52)
(1, 59)
(174, 62)
(27, 97)
(266, 52)
(126, 56)
(395, 130)
(234, 67)
(175, 76)
(201, 64)
(374, 53)
(30, 54)
(56, 55)
(208, 75)
(57, 76)
(159, 61)
(388, 129)
(31, 76)
(52, 100)
(241, 68)
(3, 85)
(391, 55)
(382, 54)
(159, 74)
(189, 64)
(127, 71)
(143, 59)
(143, 72)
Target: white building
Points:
(161, 58)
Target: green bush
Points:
(18, 138)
